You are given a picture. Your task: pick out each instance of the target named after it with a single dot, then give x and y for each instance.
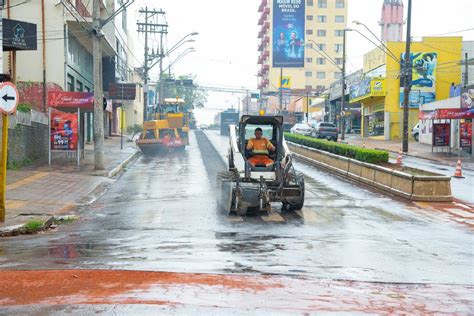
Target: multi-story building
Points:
(321, 45)
(63, 58)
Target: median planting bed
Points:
(371, 167)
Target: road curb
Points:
(112, 173)
(411, 155)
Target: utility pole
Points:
(407, 81)
(281, 90)
(343, 97)
(307, 106)
(150, 27)
(162, 55)
(99, 156)
(466, 69)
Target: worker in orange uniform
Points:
(167, 138)
(260, 147)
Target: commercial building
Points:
(63, 58)
(436, 67)
(300, 42)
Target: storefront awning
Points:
(446, 114)
(71, 101)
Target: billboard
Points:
(288, 33)
(360, 89)
(64, 133)
(423, 80)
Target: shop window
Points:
(70, 83)
(376, 122)
(79, 86)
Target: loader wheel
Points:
(224, 181)
(298, 205)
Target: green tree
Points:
(193, 97)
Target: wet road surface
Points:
(161, 215)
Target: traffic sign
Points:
(8, 98)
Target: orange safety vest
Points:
(261, 144)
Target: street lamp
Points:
(387, 51)
(180, 56)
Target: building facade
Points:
(319, 40)
(436, 67)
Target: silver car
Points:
(301, 129)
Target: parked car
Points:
(301, 129)
(203, 127)
(325, 130)
(415, 131)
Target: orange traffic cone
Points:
(399, 158)
(458, 172)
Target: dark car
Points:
(325, 130)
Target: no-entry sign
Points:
(8, 98)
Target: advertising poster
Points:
(441, 134)
(288, 33)
(465, 134)
(423, 84)
(64, 132)
(360, 89)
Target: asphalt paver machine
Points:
(247, 187)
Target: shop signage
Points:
(441, 134)
(368, 87)
(377, 87)
(122, 91)
(71, 100)
(64, 131)
(19, 35)
(447, 114)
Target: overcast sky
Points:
(226, 47)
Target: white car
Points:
(301, 129)
(415, 131)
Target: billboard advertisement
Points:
(423, 80)
(359, 89)
(64, 132)
(288, 33)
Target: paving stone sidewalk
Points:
(415, 149)
(42, 191)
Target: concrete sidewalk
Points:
(415, 149)
(42, 191)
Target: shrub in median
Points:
(350, 151)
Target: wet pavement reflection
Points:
(161, 215)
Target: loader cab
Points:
(272, 130)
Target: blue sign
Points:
(288, 33)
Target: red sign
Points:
(65, 99)
(441, 134)
(446, 114)
(465, 134)
(64, 135)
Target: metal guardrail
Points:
(26, 118)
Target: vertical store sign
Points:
(288, 33)
(423, 84)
